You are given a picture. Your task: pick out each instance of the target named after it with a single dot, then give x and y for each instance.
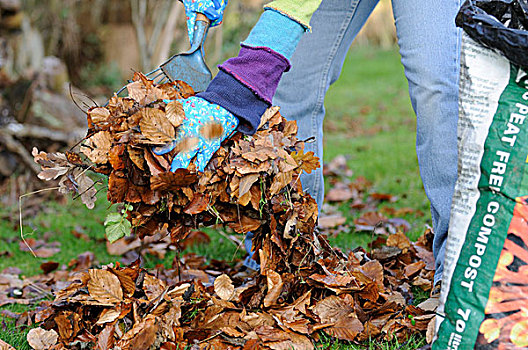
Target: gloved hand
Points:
(213, 9)
(199, 113)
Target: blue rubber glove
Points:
(213, 9)
(199, 113)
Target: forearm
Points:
(264, 56)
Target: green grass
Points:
(369, 119)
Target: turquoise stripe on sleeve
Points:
(277, 32)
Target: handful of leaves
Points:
(251, 183)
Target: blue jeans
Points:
(429, 48)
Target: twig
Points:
(211, 337)
(88, 97)
(75, 102)
(20, 214)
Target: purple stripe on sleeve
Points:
(259, 68)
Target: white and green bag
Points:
(484, 298)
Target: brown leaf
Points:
(40, 339)
(68, 324)
(175, 113)
(333, 308)
(104, 287)
(295, 341)
(275, 285)
(183, 88)
(137, 156)
(245, 224)
(398, 240)
(245, 184)
(346, 328)
(117, 188)
(108, 315)
(52, 173)
(5, 346)
(143, 90)
(156, 164)
(340, 193)
(307, 161)
(172, 181)
(96, 147)
(281, 180)
(429, 335)
(223, 287)
(85, 187)
(252, 344)
(412, 269)
(268, 115)
(153, 287)
(331, 221)
(49, 266)
(115, 157)
(198, 204)
(232, 332)
(333, 280)
(195, 238)
(105, 339)
(99, 116)
(141, 336)
(374, 270)
(155, 126)
(127, 279)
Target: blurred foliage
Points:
(80, 33)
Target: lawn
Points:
(369, 119)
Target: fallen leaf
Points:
(412, 269)
(223, 287)
(398, 240)
(49, 266)
(333, 308)
(108, 315)
(98, 116)
(275, 285)
(40, 339)
(105, 339)
(5, 346)
(104, 287)
(331, 221)
(346, 328)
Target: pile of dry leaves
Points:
(252, 184)
(355, 298)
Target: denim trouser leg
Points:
(429, 43)
(316, 64)
(429, 46)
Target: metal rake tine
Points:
(121, 90)
(156, 77)
(152, 72)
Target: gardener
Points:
(247, 84)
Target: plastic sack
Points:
(484, 298)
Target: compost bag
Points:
(484, 299)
